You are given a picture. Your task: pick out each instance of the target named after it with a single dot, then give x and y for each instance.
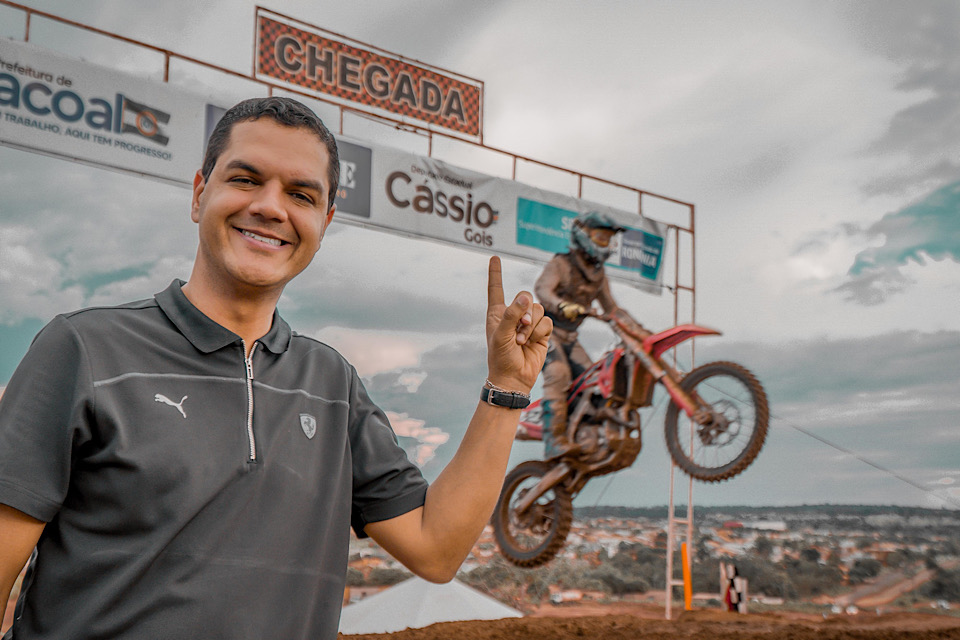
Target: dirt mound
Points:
(714, 625)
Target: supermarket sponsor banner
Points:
(57, 105)
(419, 196)
(308, 57)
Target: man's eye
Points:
(241, 180)
(302, 196)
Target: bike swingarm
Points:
(551, 479)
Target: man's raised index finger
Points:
(494, 283)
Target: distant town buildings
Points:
(857, 541)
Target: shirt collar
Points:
(205, 334)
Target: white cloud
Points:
(860, 407)
(143, 286)
(428, 438)
(411, 380)
(377, 351)
(31, 280)
(943, 499)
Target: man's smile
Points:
(276, 242)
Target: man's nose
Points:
(268, 202)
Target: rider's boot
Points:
(556, 444)
(563, 447)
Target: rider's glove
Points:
(571, 310)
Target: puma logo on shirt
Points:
(165, 400)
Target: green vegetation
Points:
(355, 577)
(384, 576)
(944, 586)
(790, 579)
(863, 569)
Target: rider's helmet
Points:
(580, 235)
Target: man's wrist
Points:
(498, 396)
(507, 383)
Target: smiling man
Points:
(187, 466)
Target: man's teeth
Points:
(251, 234)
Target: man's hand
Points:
(432, 541)
(517, 335)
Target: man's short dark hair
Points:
(284, 111)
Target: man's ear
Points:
(326, 222)
(198, 186)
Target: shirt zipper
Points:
(248, 361)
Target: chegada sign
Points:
(309, 58)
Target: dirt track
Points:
(706, 625)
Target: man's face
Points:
(263, 210)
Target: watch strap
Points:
(508, 399)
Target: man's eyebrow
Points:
(240, 164)
(303, 183)
(309, 184)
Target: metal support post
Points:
(674, 535)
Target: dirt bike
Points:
(715, 426)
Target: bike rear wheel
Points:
(733, 430)
(532, 538)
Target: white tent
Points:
(416, 603)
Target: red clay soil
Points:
(699, 625)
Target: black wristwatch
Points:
(508, 399)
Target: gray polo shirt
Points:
(190, 492)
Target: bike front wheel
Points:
(727, 434)
(534, 537)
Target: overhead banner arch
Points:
(68, 108)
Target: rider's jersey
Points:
(570, 277)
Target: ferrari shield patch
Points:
(309, 424)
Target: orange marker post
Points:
(687, 586)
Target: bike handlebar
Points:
(627, 324)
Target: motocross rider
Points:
(567, 288)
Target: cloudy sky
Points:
(817, 140)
